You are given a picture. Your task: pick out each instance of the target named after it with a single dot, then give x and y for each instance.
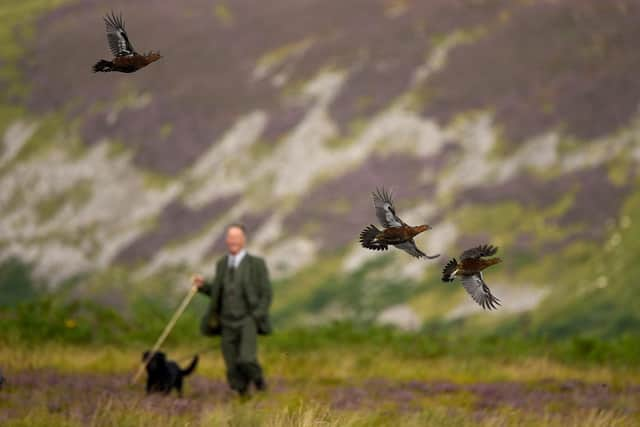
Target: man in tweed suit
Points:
(240, 295)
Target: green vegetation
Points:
(300, 415)
(154, 180)
(48, 133)
(620, 169)
(16, 285)
(277, 57)
(577, 335)
(16, 30)
(75, 196)
(95, 325)
(32, 316)
(53, 132)
(49, 321)
(8, 114)
(166, 130)
(343, 140)
(312, 371)
(223, 14)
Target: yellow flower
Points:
(70, 323)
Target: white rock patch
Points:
(14, 138)
(514, 299)
(401, 316)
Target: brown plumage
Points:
(126, 59)
(469, 269)
(395, 232)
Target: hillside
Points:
(514, 123)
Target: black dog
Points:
(1, 380)
(163, 374)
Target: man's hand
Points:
(197, 280)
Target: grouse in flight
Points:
(469, 269)
(395, 231)
(126, 59)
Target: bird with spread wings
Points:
(126, 59)
(469, 269)
(395, 231)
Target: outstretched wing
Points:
(480, 292)
(479, 251)
(117, 37)
(411, 248)
(450, 270)
(384, 209)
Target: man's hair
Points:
(237, 225)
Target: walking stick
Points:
(167, 330)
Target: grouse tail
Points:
(192, 366)
(449, 271)
(368, 239)
(103, 66)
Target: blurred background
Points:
(514, 123)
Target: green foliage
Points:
(48, 318)
(80, 321)
(440, 340)
(53, 318)
(31, 314)
(358, 296)
(16, 285)
(592, 284)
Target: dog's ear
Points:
(145, 355)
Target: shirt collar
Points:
(235, 260)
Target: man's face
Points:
(235, 240)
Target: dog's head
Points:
(154, 360)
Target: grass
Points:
(68, 362)
(328, 385)
(318, 415)
(329, 365)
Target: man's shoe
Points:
(260, 384)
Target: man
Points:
(240, 295)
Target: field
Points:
(354, 380)
(514, 123)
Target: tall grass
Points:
(314, 414)
(327, 365)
